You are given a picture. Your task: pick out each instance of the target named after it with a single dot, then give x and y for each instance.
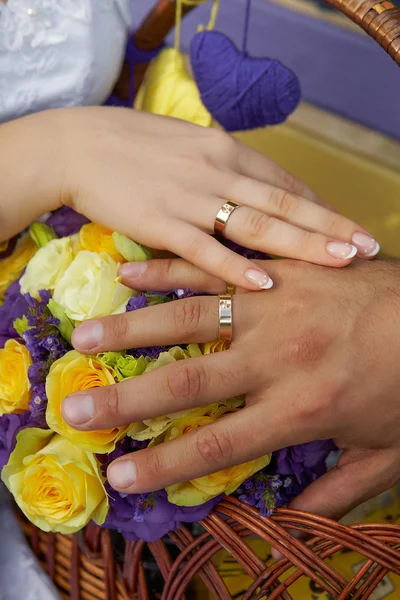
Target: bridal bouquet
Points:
(58, 275)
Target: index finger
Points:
(233, 440)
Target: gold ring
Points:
(225, 317)
(230, 289)
(223, 215)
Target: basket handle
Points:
(380, 19)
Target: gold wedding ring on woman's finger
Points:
(223, 217)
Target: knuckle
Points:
(212, 448)
(196, 248)
(119, 327)
(187, 315)
(112, 401)
(291, 183)
(311, 408)
(304, 241)
(257, 224)
(224, 142)
(166, 267)
(284, 203)
(185, 383)
(154, 468)
(307, 349)
(335, 225)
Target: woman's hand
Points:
(162, 182)
(317, 357)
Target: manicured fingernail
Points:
(133, 269)
(366, 245)
(88, 336)
(258, 278)
(78, 409)
(341, 250)
(122, 475)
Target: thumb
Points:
(359, 476)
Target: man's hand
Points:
(317, 356)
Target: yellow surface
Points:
(358, 187)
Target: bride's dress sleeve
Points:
(20, 574)
(53, 53)
(59, 53)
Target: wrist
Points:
(30, 171)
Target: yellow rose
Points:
(15, 361)
(198, 491)
(47, 267)
(97, 238)
(12, 266)
(76, 373)
(208, 348)
(57, 485)
(91, 288)
(154, 428)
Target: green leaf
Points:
(65, 326)
(21, 325)
(42, 234)
(131, 251)
(153, 299)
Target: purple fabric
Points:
(14, 307)
(66, 221)
(239, 91)
(10, 425)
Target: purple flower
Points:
(10, 425)
(149, 517)
(250, 254)
(136, 302)
(14, 307)
(305, 460)
(66, 221)
(146, 517)
(45, 345)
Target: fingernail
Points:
(258, 278)
(122, 475)
(88, 336)
(366, 245)
(133, 269)
(78, 409)
(341, 250)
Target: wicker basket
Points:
(94, 566)
(86, 567)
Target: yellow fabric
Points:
(168, 89)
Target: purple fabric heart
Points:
(241, 92)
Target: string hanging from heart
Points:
(239, 91)
(168, 88)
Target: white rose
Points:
(90, 287)
(47, 266)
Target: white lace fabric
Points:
(57, 53)
(53, 53)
